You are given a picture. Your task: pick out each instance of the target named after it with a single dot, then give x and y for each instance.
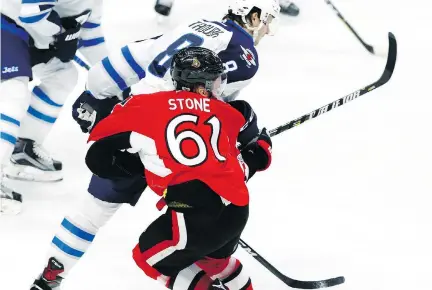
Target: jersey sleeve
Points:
(39, 19)
(119, 70)
(150, 60)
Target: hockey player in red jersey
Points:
(187, 144)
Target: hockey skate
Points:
(289, 8)
(50, 278)
(217, 285)
(163, 7)
(10, 201)
(30, 162)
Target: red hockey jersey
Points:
(181, 136)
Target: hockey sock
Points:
(77, 231)
(191, 278)
(14, 100)
(58, 80)
(229, 271)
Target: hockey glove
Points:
(106, 159)
(87, 111)
(258, 155)
(265, 145)
(66, 43)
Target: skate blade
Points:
(27, 173)
(10, 206)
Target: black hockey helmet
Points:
(194, 66)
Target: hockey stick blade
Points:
(385, 77)
(293, 283)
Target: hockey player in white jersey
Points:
(40, 38)
(234, 39)
(288, 7)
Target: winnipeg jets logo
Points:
(248, 57)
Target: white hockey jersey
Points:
(149, 60)
(35, 16)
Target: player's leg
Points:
(190, 230)
(14, 100)
(221, 266)
(30, 160)
(289, 8)
(78, 230)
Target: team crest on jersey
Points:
(248, 57)
(195, 63)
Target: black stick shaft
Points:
(367, 46)
(385, 77)
(287, 280)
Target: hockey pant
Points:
(191, 244)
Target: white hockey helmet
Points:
(269, 12)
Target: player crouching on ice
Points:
(187, 142)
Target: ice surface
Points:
(348, 193)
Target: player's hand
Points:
(265, 143)
(66, 43)
(87, 111)
(258, 154)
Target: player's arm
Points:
(109, 82)
(120, 70)
(106, 159)
(255, 145)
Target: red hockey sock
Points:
(229, 270)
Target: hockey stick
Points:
(81, 62)
(385, 77)
(369, 48)
(287, 280)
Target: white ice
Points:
(348, 193)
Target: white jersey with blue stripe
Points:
(34, 16)
(149, 60)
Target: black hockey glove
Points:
(105, 158)
(250, 130)
(66, 43)
(258, 154)
(87, 111)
